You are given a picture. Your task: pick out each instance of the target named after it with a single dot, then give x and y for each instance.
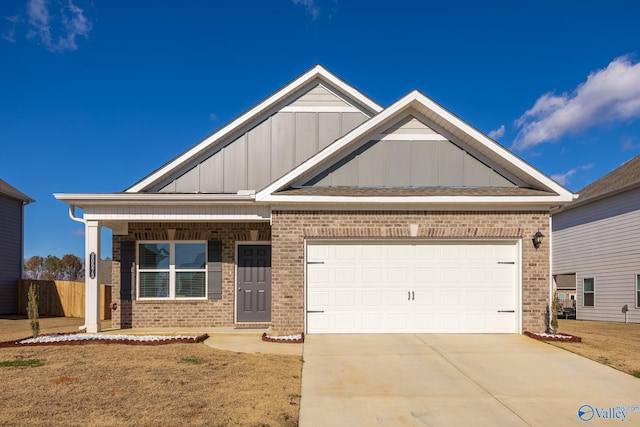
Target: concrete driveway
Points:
(449, 380)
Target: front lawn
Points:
(167, 385)
(613, 344)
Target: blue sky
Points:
(95, 95)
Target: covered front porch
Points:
(178, 260)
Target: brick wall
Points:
(288, 231)
(290, 228)
(189, 313)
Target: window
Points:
(638, 290)
(588, 290)
(172, 270)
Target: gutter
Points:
(72, 215)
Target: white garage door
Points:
(444, 287)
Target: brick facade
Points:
(188, 313)
(288, 232)
(291, 228)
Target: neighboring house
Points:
(565, 285)
(596, 240)
(320, 211)
(12, 204)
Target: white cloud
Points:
(563, 178)
(609, 95)
(311, 6)
(629, 144)
(13, 19)
(57, 25)
(9, 35)
(497, 133)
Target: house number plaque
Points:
(92, 265)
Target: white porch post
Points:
(92, 287)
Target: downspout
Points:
(72, 215)
(551, 281)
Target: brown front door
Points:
(254, 283)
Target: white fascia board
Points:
(316, 72)
(418, 200)
(440, 116)
(493, 146)
(151, 199)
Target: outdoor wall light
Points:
(537, 239)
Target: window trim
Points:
(172, 270)
(637, 290)
(592, 292)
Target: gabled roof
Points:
(9, 191)
(477, 143)
(625, 176)
(257, 113)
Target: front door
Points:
(254, 283)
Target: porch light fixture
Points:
(537, 239)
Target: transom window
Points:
(168, 270)
(588, 289)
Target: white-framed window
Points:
(588, 291)
(172, 270)
(637, 290)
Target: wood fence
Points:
(62, 298)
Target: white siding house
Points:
(597, 238)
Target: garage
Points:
(412, 287)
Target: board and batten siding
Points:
(266, 152)
(11, 212)
(409, 154)
(602, 240)
(272, 147)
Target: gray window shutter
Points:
(127, 270)
(214, 269)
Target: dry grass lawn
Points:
(610, 343)
(167, 385)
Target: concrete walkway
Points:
(457, 380)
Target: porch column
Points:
(92, 287)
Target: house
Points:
(12, 204)
(565, 285)
(596, 243)
(318, 210)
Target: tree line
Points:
(70, 267)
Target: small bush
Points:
(32, 309)
(636, 374)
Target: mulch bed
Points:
(182, 340)
(285, 340)
(553, 337)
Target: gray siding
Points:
(265, 153)
(602, 240)
(10, 253)
(319, 96)
(413, 163)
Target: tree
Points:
(52, 268)
(34, 267)
(71, 267)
